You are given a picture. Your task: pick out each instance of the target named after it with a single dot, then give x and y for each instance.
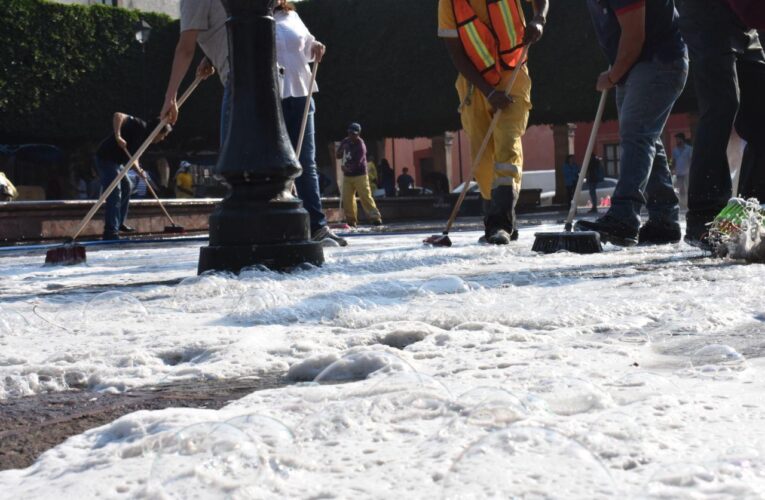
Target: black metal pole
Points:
(144, 110)
(259, 222)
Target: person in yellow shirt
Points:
(184, 182)
(485, 39)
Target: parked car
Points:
(605, 189)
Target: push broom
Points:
(443, 240)
(173, 227)
(71, 253)
(568, 240)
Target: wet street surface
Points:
(31, 425)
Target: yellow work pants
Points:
(502, 161)
(358, 184)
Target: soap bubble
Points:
(570, 395)
(638, 386)
(527, 462)
(717, 355)
(258, 301)
(439, 285)
(207, 460)
(12, 322)
(206, 292)
(272, 435)
(491, 408)
(114, 306)
(361, 365)
(635, 337)
(375, 406)
(675, 480)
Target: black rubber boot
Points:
(499, 216)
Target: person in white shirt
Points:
(681, 160)
(203, 22)
(296, 47)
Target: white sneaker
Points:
(324, 235)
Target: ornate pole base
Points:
(259, 222)
(273, 234)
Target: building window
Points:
(111, 3)
(611, 159)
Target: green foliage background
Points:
(64, 69)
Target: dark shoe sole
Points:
(620, 241)
(698, 243)
(667, 241)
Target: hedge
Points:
(65, 68)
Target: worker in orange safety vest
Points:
(485, 39)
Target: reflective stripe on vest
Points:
(491, 49)
(507, 23)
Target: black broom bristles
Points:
(576, 242)
(66, 255)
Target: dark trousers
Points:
(118, 202)
(307, 183)
(729, 76)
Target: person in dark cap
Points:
(115, 151)
(353, 152)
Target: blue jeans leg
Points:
(108, 171)
(307, 183)
(644, 103)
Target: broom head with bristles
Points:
(438, 240)
(68, 254)
(175, 229)
(577, 242)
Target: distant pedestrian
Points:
(372, 173)
(405, 182)
(387, 178)
(184, 181)
(729, 76)
(353, 153)
(681, 161)
(596, 173)
(570, 177)
(129, 133)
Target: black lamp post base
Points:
(278, 257)
(245, 232)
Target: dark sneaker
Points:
(513, 237)
(593, 210)
(499, 237)
(697, 234)
(611, 230)
(127, 229)
(699, 241)
(659, 233)
(325, 235)
(110, 237)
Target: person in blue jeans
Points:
(729, 77)
(129, 133)
(296, 47)
(570, 177)
(649, 66)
